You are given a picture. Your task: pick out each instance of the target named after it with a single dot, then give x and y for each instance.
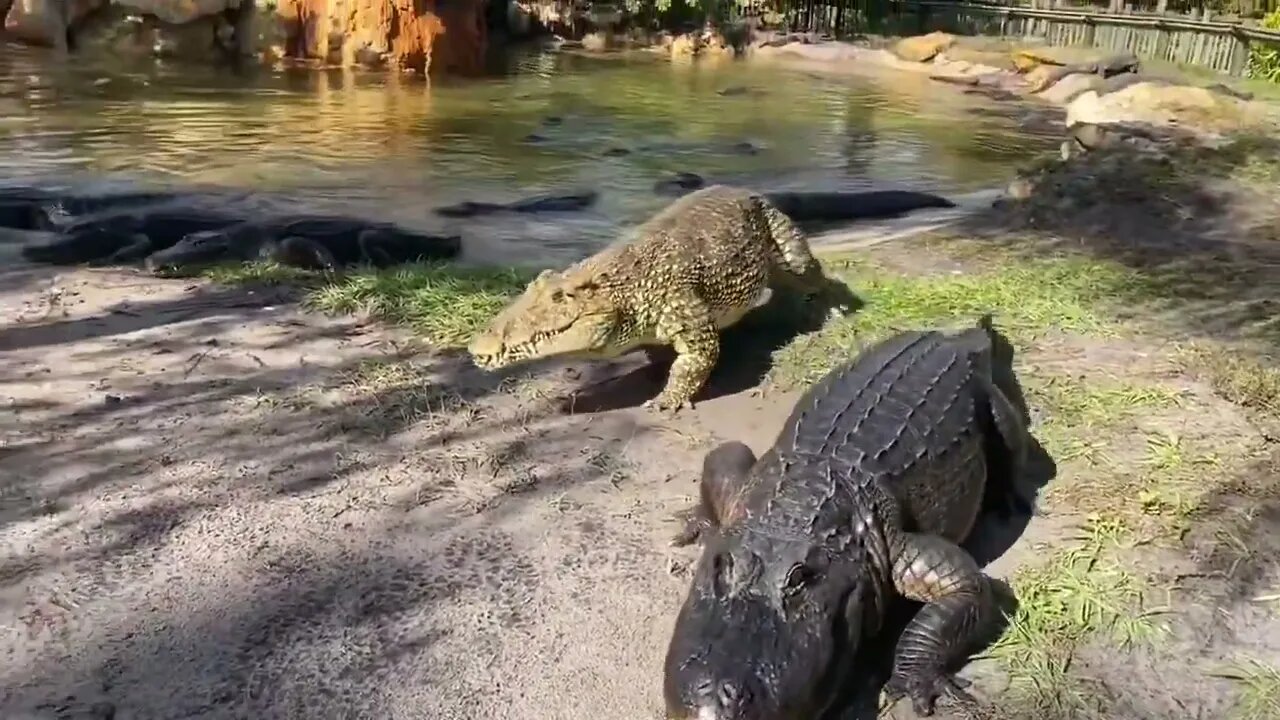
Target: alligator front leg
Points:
(372, 250)
(303, 253)
(688, 327)
(958, 601)
(723, 482)
(138, 247)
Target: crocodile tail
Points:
(787, 237)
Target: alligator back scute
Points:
(906, 399)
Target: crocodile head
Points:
(772, 619)
(568, 313)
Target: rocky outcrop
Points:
(1160, 104)
(426, 36)
(922, 48)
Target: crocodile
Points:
(877, 477)
(126, 235)
(307, 241)
(695, 267)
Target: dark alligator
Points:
(865, 497)
(815, 208)
(308, 241)
(32, 208)
(539, 204)
(127, 235)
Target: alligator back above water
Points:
(125, 236)
(33, 208)
(306, 241)
(873, 482)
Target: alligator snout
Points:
(718, 700)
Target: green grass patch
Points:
(1028, 297)
(1080, 597)
(1239, 378)
(1258, 696)
(444, 303)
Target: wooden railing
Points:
(1219, 46)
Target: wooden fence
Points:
(1219, 46)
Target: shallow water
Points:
(394, 148)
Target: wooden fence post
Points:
(1239, 54)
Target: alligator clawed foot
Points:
(692, 528)
(925, 692)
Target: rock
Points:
(425, 36)
(922, 48)
(1070, 87)
(180, 11)
(704, 43)
(1159, 104)
(596, 42)
(976, 56)
(116, 32)
(45, 22)
(1029, 57)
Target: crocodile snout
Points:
(484, 350)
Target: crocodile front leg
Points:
(723, 483)
(957, 598)
(687, 325)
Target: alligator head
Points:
(774, 613)
(200, 250)
(568, 313)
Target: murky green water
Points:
(395, 148)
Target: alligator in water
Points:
(540, 204)
(307, 241)
(125, 236)
(815, 208)
(865, 497)
(32, 208)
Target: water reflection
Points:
(378, 144)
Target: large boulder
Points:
(1027, 58)
(1160, 104)
(1068, 88)
(922, 48)
(45, 22)
(426, 36)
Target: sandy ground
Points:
(218, 506)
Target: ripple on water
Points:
(393, 148)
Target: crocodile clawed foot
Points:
(925, 692)
(667, 406)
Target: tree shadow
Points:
(1198, 224)
(747, 350)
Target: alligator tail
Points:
(787, 238)
(806, 207)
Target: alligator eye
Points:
(721, 571)
(557, 296)
(797, 577)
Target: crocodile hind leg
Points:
(687, 325)
(303, 253)
(724, 475)
(958, 599)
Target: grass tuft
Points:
(1237, 377)
(444, 303)
(1027, 297)
(1259, 689)
(1079, 597)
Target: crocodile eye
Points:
(557, 296)
(797, 578)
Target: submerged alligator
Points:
(308, 241)
(812, 208)
(540, 204)
(873, 482)
(694, 268)
(125, 236)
